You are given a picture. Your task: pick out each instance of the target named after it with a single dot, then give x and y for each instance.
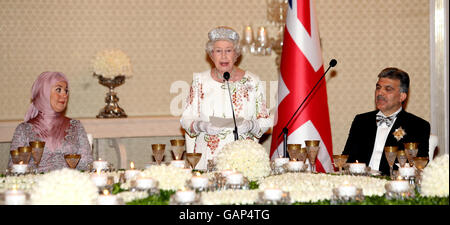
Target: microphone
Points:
(226, 76)
(285, 130)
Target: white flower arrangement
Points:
(169, 177)
(435, 178)
(246, 156)
(129, 196)
(230, 197)
(64, 187)
(111, 63)
(24, 183)
(306, 187)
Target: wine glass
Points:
(25, 154)
(401, 157)
(411, 149)
(158, 152)
(420, 163)
(37, 149)
(312, 149)
(294, 151)
(340, 160)
(391, 154)
(302, 155)
(15, 156)
(72, 160)
(177, 147)
(193, 159)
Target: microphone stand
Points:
(285, 129)
(226, 76)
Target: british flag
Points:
(301, 67)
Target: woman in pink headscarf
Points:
(45, 121)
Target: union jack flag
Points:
(301, 67)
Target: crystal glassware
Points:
(411, 149)
(391, 154)
(193, 159)
(302, 155)
(420, 162)
(294, 151)
(339, 161)
(401, 157)
(15, 156)
(37, 149)
(25, 154)
(72, 160)
(177, 146)
(158, 152)
(312, 149)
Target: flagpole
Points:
(285, 130)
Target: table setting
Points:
(242, 174)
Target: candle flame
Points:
(356, 161)
(105, 192)
(197, 173)
(132, 165)
(21, 162)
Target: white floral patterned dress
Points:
(211, 98)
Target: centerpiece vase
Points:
(112, 108)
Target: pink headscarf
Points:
(47, 123)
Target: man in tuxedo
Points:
(389, 125)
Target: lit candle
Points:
(225, 173)
(185, 196)
(20, 168)
(357, 167)
(100, 165)
(262, 35)
(235, 178)
(145, 183)
(399, 185)
(347, 190)
(248, 34)
(15, 197)
(295, 165)
(281, 161)
(407, 171)
(273, 194)
(177, 163)
(106, 199)
(131, 174)
(99, 179)
(199, 181)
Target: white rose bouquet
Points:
(111, 63)
(169, 177)
(435, 178)
(64, 187)
(246, 156)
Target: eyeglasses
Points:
(219, 51)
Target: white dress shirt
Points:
(380, 140)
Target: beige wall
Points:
(165, 40)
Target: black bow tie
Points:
(385, 119)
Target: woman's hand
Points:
(249, 126)
(207, 127)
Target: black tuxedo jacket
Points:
(361, 138)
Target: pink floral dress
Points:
(208, 97)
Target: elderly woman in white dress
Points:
(208, 115)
